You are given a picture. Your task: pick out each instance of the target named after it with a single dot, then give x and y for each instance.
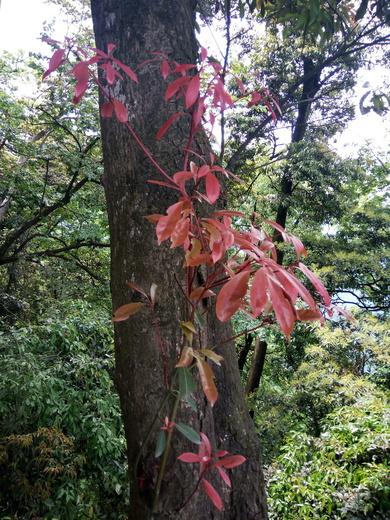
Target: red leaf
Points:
(302, 291)
(165, 69)
(205, 446)
(182, 177)
(55, 61)
(125, 311)
(192, 91)
(309, 315)
(255, 99)
(168, 123)
(284, 312)
(203, 54)
(207, 380)
(213, 188)
(198, 114)
(225, 477)
(213, 495)
(180, 233)
(228, 213)
(231, 461)
(231, 295)
(189, 457)
(110, 74)
(218, 250)
(81, 73)
(106, 109)
(182, 68)
(259, 296)
(298, 246)
(120, 111)
(167, 223)
(175, 86)
(203, 170)
(127, 70)
(319, 286)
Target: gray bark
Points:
(139, 28)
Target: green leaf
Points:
(188, 432)
(160, 446)
(191, 402)
(187, 382)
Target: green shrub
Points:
(57, 379)
(343, 474)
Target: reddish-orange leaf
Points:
(284, 312)
(106, 109)
(125, 311)
(192, 91)
(55, 61)
(207, 380)
(231, 295)
(309, 315)
(232, 461)
(319, 286)
(200, 293)
(120, 111)
(180, 233)
(167, 224)
(228, 213)
(259, 292)
(218, 250)
(132, 75)
(186, 358)
(175, 86)
(213, 188)
(168, 123)
(203, 170)
(213, 494)
(153, 218)
(165, 69)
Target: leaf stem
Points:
(165, 455)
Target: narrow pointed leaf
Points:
(120, 111)
(231, 295)
(225, 477)
(188, 432)
(125, 311)
(213, 188)
(207, 380)
(55, 61)
(318, 285)
(160, 445)
(187, 382)
(231, 461)
(166, 126)
(192, 91)
(189, 457)
(282, 307)
(213, 494)
(259, 296)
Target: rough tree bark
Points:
(139, 27)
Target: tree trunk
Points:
(257, 366)
(309, 90)
(138, 28)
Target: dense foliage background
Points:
(320, 403)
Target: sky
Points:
(21, 22)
